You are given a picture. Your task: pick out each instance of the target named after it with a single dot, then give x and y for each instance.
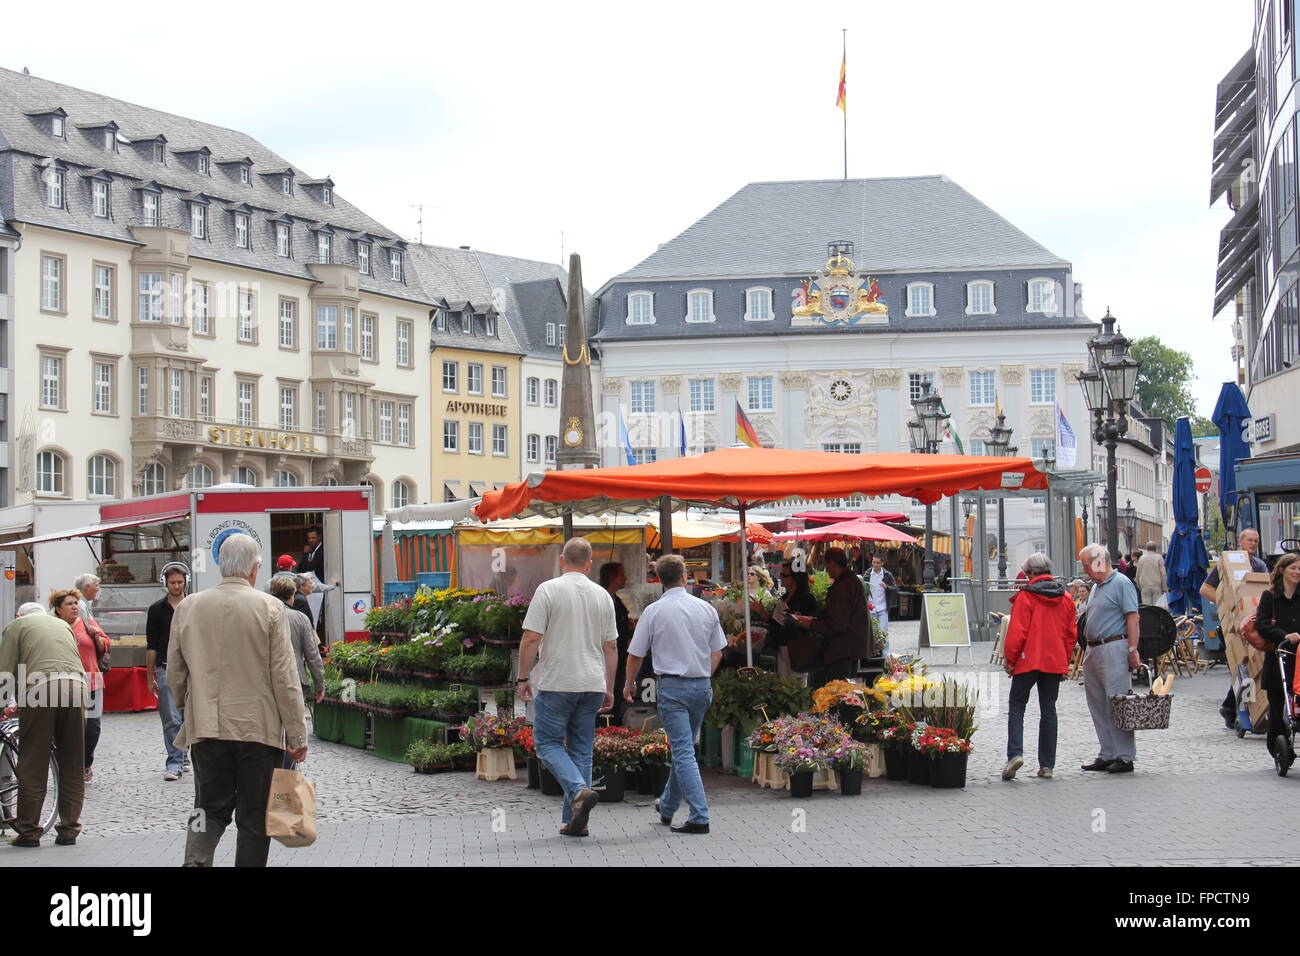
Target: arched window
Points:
(101, 477)
(286, 479)
(401, 494)
(244, 476)
(154, 479)
(200, 476)
(331, 483)
(49, 473)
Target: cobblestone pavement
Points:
(374, 812)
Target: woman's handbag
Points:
(1148, 711)
(1250, 634)
(104, 658)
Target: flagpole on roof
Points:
(844, 100)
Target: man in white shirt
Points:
(687, 639)
(567, 661)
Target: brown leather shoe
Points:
(568, 830)
(583, 801)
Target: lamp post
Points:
(1108, 387)
(925, 431)
(1103, 522)
(1085, 520)
(1131, 524)
(1000, 442)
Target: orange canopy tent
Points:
(860, 530)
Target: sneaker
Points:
(172, 775)
(1045, 773)
(1014, 764)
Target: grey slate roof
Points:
(905, 224)
(25, 140)
(456, 283)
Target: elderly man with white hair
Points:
(1110, 620)
(232, 672)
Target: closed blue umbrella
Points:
(1231, 415)
(1187, 562)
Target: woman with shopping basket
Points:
(1278, 622)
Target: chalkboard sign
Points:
(943, 621)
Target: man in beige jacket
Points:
(231, 669)
(1151, 575)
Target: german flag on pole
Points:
(841, 99)
(745, 433)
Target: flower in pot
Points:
(491, 731)
(849, 760)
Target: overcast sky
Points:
(1088, 126)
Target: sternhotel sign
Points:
(263, 438)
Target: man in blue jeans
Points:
(567, 661)
(687, 640)
(158, 629)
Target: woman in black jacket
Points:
(798, 599)
(1278, 622)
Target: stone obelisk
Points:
(577, 417)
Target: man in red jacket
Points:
(1040, 639)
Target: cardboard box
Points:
(1234, 648)
(1233, 568)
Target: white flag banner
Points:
(1067, 446)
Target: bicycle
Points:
(9, 748)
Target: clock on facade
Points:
(841, 390)
(573, 433)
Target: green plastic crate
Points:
(394, 734)
(745, 753)
(710, 746)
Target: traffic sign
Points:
(1203, 478)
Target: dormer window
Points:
(467, 322)
(395, 264)
(241, 230)
(99, 189)
(363, 258)
(323, 247)
(198, 220)
(490, 325)
(54, 187)
(286, 184)
(283, 245)
(56, 125)
(203, 164)
(327, 195)
(150, 203)
(160, 154)
(110, 139)
(245, 174)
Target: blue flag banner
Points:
(1067, 446)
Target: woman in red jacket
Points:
(1040, 639)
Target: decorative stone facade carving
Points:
(981, 418)
(888, 377)
(1072, 373)
(671, 384)
(794, 379)
(952, 375)
(1013, 374)
(612, 385)
(1042, 423)
(729, 381)
(841, 406)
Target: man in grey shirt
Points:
(687, 640)
(1111, 631)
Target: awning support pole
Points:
(567, 523)
(744, 586)
(666, 524)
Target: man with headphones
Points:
(175, 577)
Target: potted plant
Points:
(486, 731)
(501, 620)
(427, 757)
(384, 698)
(803, 747)
(918, 763)
(849, 760)
(614, 752)
(490, 667)
(800, 762)
(896, 741)
(868, 729)
(463, 755)
(525, 748)
(948, 754)
(846, 700)
(654, 759)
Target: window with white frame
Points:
(440, 320)
(552, 392)
(286, 184)
(327, 327)
(532, 390)
(327, 195)
(246, 406)
(699, 306)
(244, 476)
(110, 139)
(403, 423)
(348, 415)
(467, 322)
(200, 476)
(200, 295)
(534, 447)
(643, 397)
(475, 438)
(920, 299)
(550, 333)
(150, 203)
(247, 323)
(490, 325)
(160, 154)
(758, 305)
(203, 165)
(640, 308)
(51, 381)
(324, 247)
(643, 456)
(451, 436)
(103, 291)
(386, 422)
(245, 174)
(978, 446)
(983, 389)
(500, 440)
(449, 376)
(979, 298)
(49, 473)
(404, 344)
(288, 408)
(395, 264)
(498, 381)
(1039, 447)
(363, 258)
(474, 378)
(198, 220)
(101, 477)
(56, 125)
(761, 397)
(175, 393)
(368, 336)
(916, 382)
(52, 283)
(241, 230)
(286, 479)
(701, 395)
(322, 412)
(104, 391)
(288, 324)
(142, 391)
(1042, 296)
(54, 188)
(562, 330)
(205, 397)
(100, 189)
(176, 303)
(551, 442)
(283, 243)
(349, 327)
(153, 480)
(401, 494)
(151, 297)
(844, 448)
(1042, 386)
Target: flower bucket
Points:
(745, 753)
(801, 784)
(727, 738)
(550, 786)
(658, 774)
(918, 768)
(710, 746)
(895, 763)
(645, 784)
(609, 784)
(850, 782)
(949, 771)
(534, 774)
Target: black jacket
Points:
(797, 602)
(845, 622)
(1276, 618)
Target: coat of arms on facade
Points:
(839, 294)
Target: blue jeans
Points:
(170, 715)
(682, 703)
(564, 729)
(1049, 685)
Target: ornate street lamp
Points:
(925, 432)
(1000, 442)
(1103, 517)
(1108, 387)
(1131, 524)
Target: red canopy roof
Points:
(860, 530)
(736, 477)
(833, 517)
